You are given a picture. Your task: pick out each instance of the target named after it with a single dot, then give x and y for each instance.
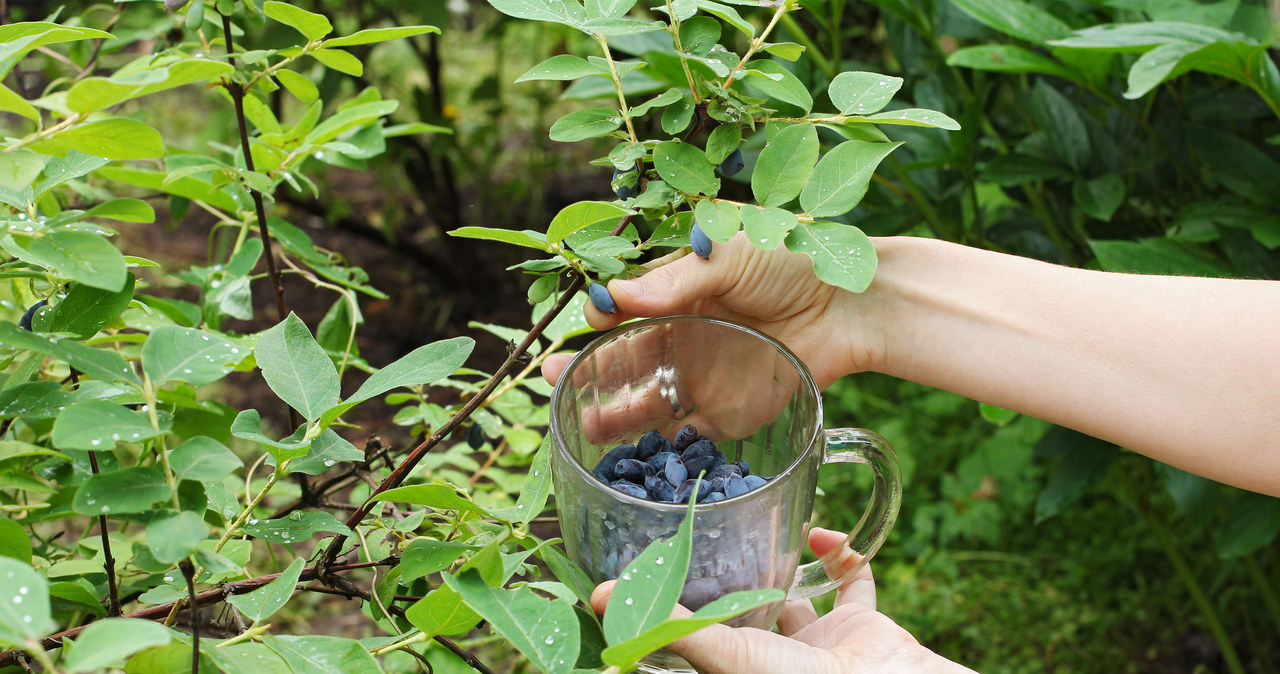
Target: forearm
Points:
(1184, 370)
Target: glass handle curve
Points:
(855, 445)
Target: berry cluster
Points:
(667, 470)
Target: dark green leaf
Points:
(297, 369)
(1158, 256)
(842, 254)
(841, 177)
(326, 451)
(685, 168)
(189, 355)
(1100, 197)
(124, 491)
(1083, 462)
(259, 604)
(372, 35)
(545, 631)
(110, 641)
(437, 494)
(1007, 58)
(323, 654)
(203, 459)
(97, 425)
(785, 164)
(296, 527)
(1015, 18)
(171, 536)
(1253, 524)
(15, 542)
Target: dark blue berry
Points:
(743, 467)
(735, 486)
(686, 488)
(629, 488)
(700, 241)
(475, 436)
(25, 321)
(724, 471)
(633, 470)
(699, 464)
(659, 489)
(675, 472)
(624, 184)
(732, 164)
(611, 459)
(754, 481)
(601, 298)
(713, 497)
(701, 447)
(649, 445)
(685, 437)
(659, 460)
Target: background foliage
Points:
(1131, 135)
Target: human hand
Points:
(773, 291)
(853, 637)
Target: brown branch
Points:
(189, 572)
(113, 590)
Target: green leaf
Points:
(842, 255)
(1253, 524)
(685, 168)
(323, 654)
(302, 88)
(1015, 18)
(85, 310)
(608, 8)
(247, 658)
(729, 15)
(785, 50)
(371, 35)
(83, 257)
(74, 164)
(111, 640)
(442, 611)
(203, 459)
(583, 124)
(187, 354)
(699, 34)
(297, 369)
(171, 536)
(248, 426)
(98, 425)
(1158, 256)
(341, 61)
(1084, 461)
(24, 606)
(17, 39)
(1100, 197)
(117, 138)
(15, 542)
(766, 226)
(562, 68)
(545, 631)
(259, 604)
(296, 527)
(784, 165)
(1007, 58)
(650, 586)
(12, 102)
(312, 26)
(1141, 36)
(621, 26)
(842, 176)
(424, 557)
(787, 88)
(575, 216)
(675, 118)
(103, 364)
(931, 119)
(534, 492)
(124, 491)
(99, 93)
(348, 119)
(719, 220)
(527, 237)
(437, 494)
(424, 365)
(125, 210)
(326, 451)
(566, 12)
(625, 654)
(1059, 118)
(862, 93)
(722, 141)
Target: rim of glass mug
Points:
(806, 382)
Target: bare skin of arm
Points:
(1183, 370)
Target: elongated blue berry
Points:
(633, 470)
(700, 241)
(732, 164)
(475, 436)
(685, 437)
(659, 460)
(735, 486)
(629, 488)
(649, 445)
(25, 321)
(659, 489)
(601, 298)
(675, 472)
(753, 481)
(625, 184)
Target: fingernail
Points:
(632, 288)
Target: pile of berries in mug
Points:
(658, 469)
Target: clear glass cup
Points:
(758, 402)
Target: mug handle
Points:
(856, 445)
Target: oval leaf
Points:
(785, 164)
(840, 179)
(842, 255)
(128, 490)
(685, 168)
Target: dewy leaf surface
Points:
(544, 630)
(262, 602)
(297, 368)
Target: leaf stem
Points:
(684, 62)
(758, 43)
(617, 85)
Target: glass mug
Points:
(758, 402)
